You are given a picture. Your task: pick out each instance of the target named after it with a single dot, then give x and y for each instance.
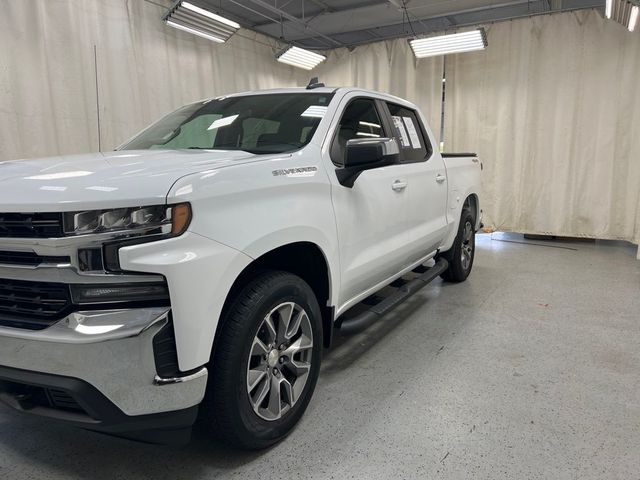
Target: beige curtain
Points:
(392, 68)
(552, 106)
(553, 109)
(145, 69)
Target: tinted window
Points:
(359, 120)
(414, 147)
(270, 123)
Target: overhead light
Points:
(624, 12)
(633, 19)
(301, 58)
(193, 19)
(451, 43)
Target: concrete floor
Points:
(531, 369)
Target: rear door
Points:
(426, 175)
(370, 216)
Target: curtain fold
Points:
(145, 69)
(552, 107)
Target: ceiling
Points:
(326, 24)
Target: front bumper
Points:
(110, 372)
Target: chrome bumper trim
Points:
(120, 363)
(94, 326)
(158, 380)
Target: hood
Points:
(103, 180)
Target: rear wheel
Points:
(462, 252)
(266, 361)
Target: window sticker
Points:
(413, 133)
(404, 137)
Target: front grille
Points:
(32, 305)
(30, 259)
(31, 225)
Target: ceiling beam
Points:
(293, 20)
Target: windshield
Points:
(269, 123)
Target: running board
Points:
(365, 319)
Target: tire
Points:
(244, 365)
(462, 252)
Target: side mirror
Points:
(364, 154)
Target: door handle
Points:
(440, 178)
(399, 185)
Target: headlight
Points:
(162, 219)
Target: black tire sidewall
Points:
(456, 272)
(251, 430)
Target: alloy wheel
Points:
(467, 246)
(279, 361)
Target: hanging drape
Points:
(48, 101)
(552, 107)
(392, 68)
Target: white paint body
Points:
(369, 234)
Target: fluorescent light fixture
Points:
(194, 31)
(633, 18)
(210, 15)
(452, 43)
(190, 18)
(301, 58)
(624, 12)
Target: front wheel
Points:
(266, 361)
(462, 252)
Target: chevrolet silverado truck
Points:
(198, 271)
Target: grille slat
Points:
(32, 305)
(31, 259)
(31, 225)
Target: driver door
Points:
(370, 215)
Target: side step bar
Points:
(365, 319)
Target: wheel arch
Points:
(303, 259)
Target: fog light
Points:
(88, 294)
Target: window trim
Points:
(423, 132)
(382, 115)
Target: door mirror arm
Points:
(366, 154)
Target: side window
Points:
(359, 120)
(414, 146)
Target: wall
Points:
(552, 106)
(144, 69)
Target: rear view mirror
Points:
(364, 154)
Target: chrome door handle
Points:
(398, 186)
(440, 178)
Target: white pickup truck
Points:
(199, 270)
